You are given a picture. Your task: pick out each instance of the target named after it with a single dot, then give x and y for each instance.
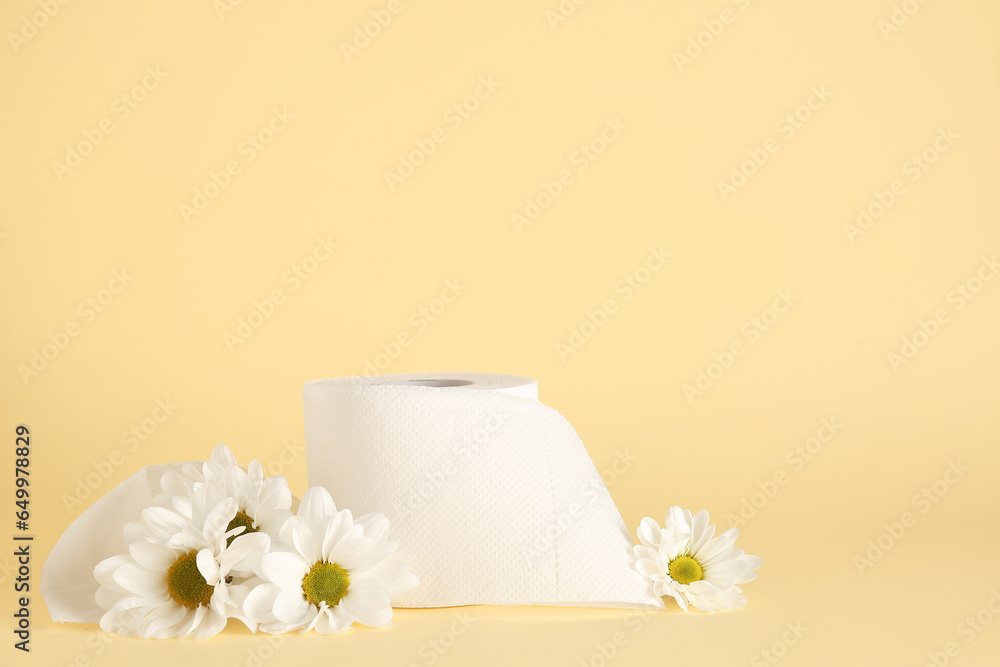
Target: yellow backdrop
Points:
(747, 248)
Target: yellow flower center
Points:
(685, 569)
(325, 582)
(241, 519)
(185, 584)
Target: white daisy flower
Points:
(685, 561)
(263, 504)
(176, 580)
(335, 570)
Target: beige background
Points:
(672, 130)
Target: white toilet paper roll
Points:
(491, 493)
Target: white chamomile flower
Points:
(263, 504)
(176, 580)
(335, 570)
(684, 561)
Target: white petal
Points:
(753, 562)
(368, 602)
(271, 521)
(677, 518)
(234, 480)
(255, 477)
(701, 603)
(139, 581)
(105, 570)
(284, 569)
(716, 547)
(162, 621)
(182, 505)
(135, 531)
(703, 587)
(189, 538)
(701, 531)
(208, 566)
(730, 598)
(747, 576)
(275, 484)
(331, 622)
(193, 472)
(648, 553)
(277, 498)
(217, 520)
(259, 603)
(305, 541)
(211, 625)
(191, 621)
(223, 456)
(649, 532)
(376, 526)
(392, 573)
(290, 606)
(152, 556)
(245, 552)
(648, 567)
(317, 504)
(680, 598)
(353, 549)
(336, 527)
(162, 523)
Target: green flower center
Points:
(241, 519)
(685, 569)
(325, 582)
(185, 584)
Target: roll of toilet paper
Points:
(490, 493)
